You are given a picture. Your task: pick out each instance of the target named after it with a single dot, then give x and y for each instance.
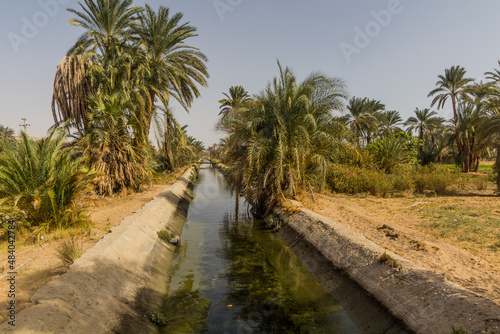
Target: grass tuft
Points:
(70, 250)
(391, 262)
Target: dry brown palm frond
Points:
(71, 90)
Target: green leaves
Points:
(277, 140)
(43, 180)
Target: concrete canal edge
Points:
(422, 301)
(114, 285)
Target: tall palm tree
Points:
(491, 130)
(169, 66)
(277, 141)
(237, 97)
(389, 122)
(6, 135)
(452, 85)
(109, 25)
(424, 122)
(363, 115)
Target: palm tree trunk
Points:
(497, 167)
(457, 130)
(476, 159)
(149, 113)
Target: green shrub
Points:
(354, 180)
(403, 177)
(435, 178)
(44, 181)
(165, 235)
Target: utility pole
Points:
(24, 125)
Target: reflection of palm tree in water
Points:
(267, 285)
(186, 309)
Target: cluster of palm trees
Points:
(109, 85)
(278, 140)
(114, 85)
(281, 141)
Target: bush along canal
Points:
(231, 274)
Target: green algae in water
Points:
(232, 275)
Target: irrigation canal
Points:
(232, 275)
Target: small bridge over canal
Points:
(206, 162)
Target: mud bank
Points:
(417, 300)
(115, 284)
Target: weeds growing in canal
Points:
(158, 319)
(391, 262)
(165, 235)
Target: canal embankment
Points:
(423, 301)
(115, 284)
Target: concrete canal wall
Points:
(420, 300)
(114, 285)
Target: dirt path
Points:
(38, 264)
(385, 222)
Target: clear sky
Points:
(391, 51)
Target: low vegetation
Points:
(70, 250)
(389, 260)
(165, 235)
(158, 318)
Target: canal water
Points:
(233, 275)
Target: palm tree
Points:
(425, 122)
(44, 181)
(389, 122)
(109, 25)
(237, 97)
(363, 117)
(170, 68)
(391, 151)
(109, 144)
(276, 142)
(491, 129)
(6, 135)
(452, 85)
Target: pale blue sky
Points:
(244, 38)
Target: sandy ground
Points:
(40, 263)
(389, 223)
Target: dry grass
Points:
(70, 250)
(469, 220)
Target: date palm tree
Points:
(237, 97)
(452, 85)
(109, 24)
(6, 135)
(171, 67)
(424, 122)
(364, 117)
(276, 142)
(44, 181)
(389, 122)
(110, 146)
